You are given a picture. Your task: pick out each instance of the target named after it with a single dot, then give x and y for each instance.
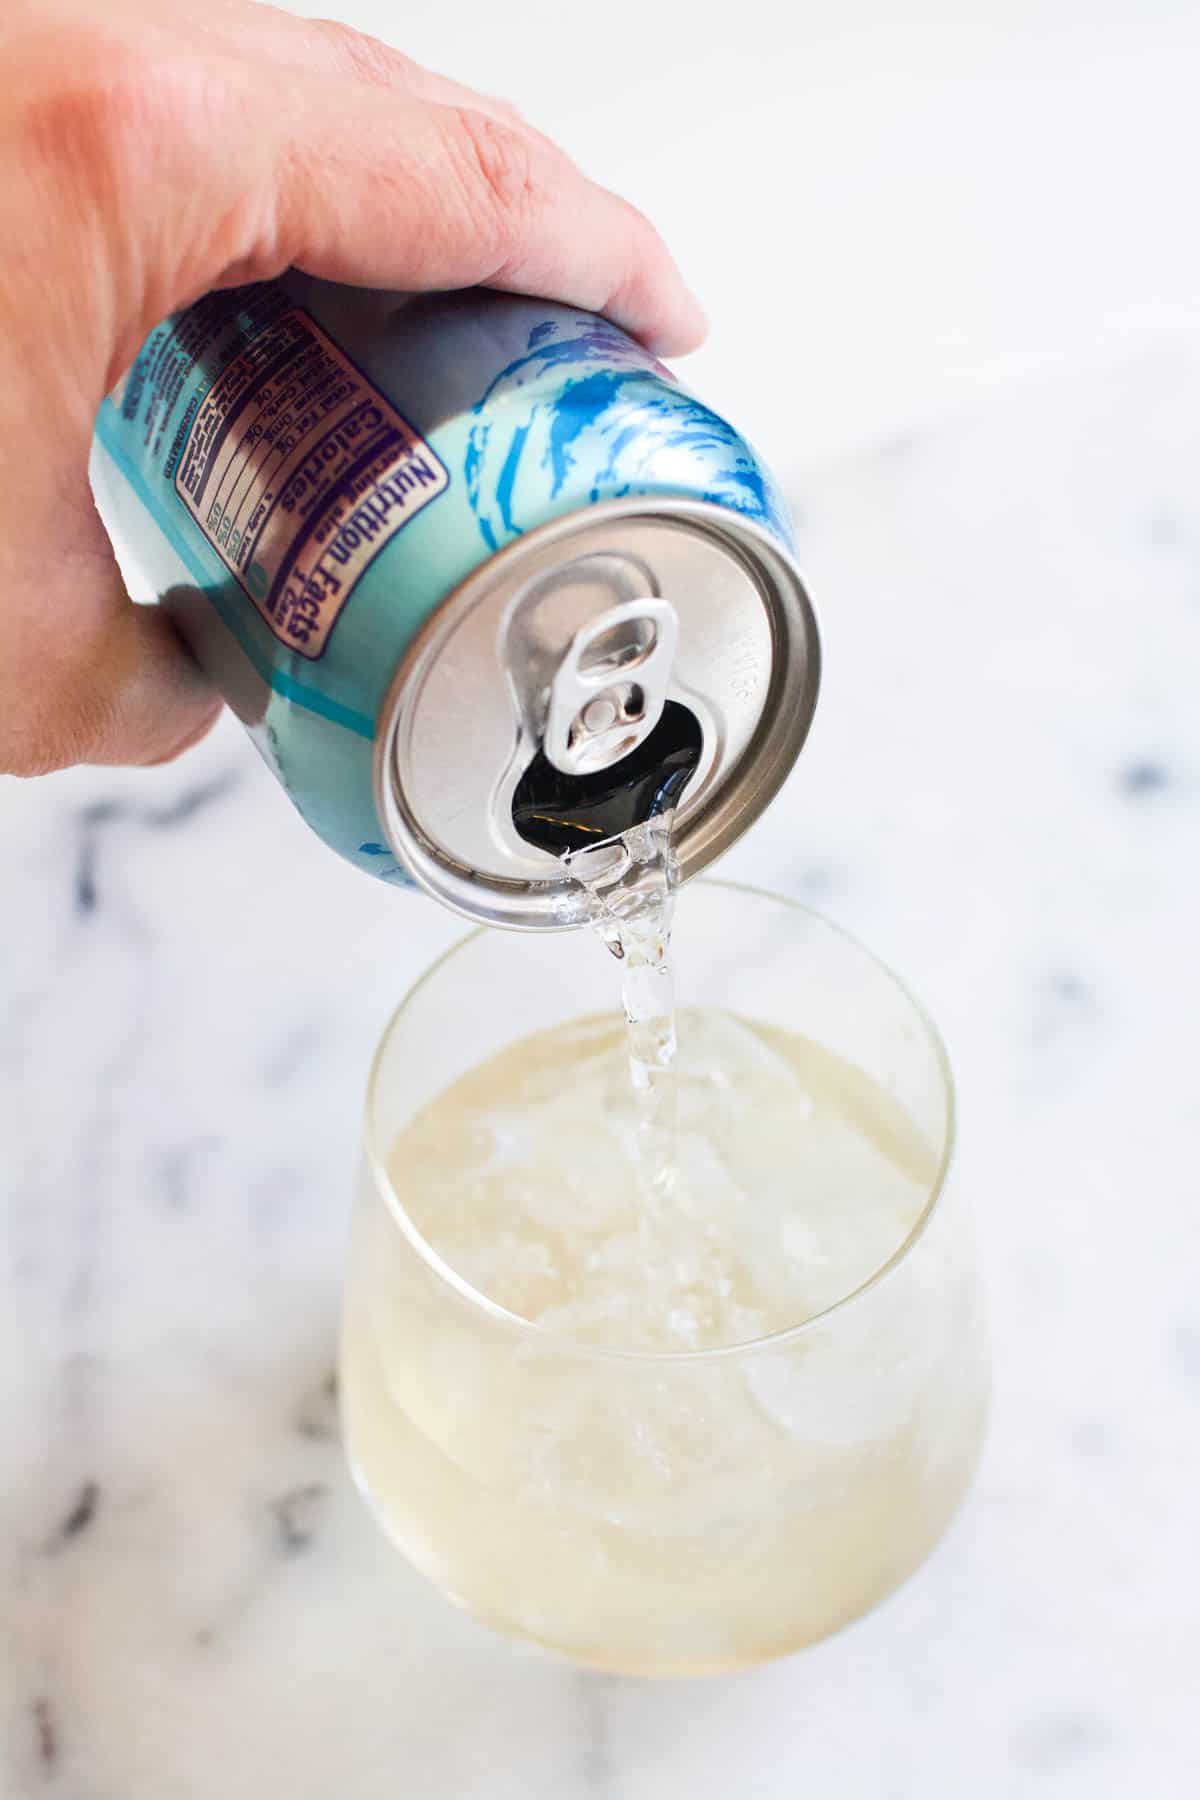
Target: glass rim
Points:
(562, 1342)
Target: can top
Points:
(670, 600)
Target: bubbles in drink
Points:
(793, 1178)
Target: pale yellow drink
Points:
(658, 1442)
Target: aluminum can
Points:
(418, 541)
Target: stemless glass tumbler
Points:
(682, 1511)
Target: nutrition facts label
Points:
(299, 472)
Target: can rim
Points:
(706, 833)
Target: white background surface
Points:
(952, 269)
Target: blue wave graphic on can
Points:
(583, 398)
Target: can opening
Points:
(564, 650)
(564, 813)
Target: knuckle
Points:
(497, 162)
(361, 55)
(638, 224)
(507, 109)
(98, 105)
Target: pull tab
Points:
(566, 814)
(607, 694)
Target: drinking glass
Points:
(679, 1511)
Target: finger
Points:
(158, 703)
(353, 179)
(431, 196)
(514, 211)
(110, 683)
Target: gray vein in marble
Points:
(597, 1762)
(895, 453)
(1092, 1439)
(45, 1731)
(1143, 778)
(1070, 988)
(1183, 1346)
(297, 1514)
(179, 1168)
(1053, 1740)
(78, 1519)
(1171, 532)
(99, 815)
(295, 1049)
(316, 1416)
(815, 882)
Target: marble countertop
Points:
(990, 427)
(1002, 795)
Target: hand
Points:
(152, 151)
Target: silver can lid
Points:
(475, 697)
